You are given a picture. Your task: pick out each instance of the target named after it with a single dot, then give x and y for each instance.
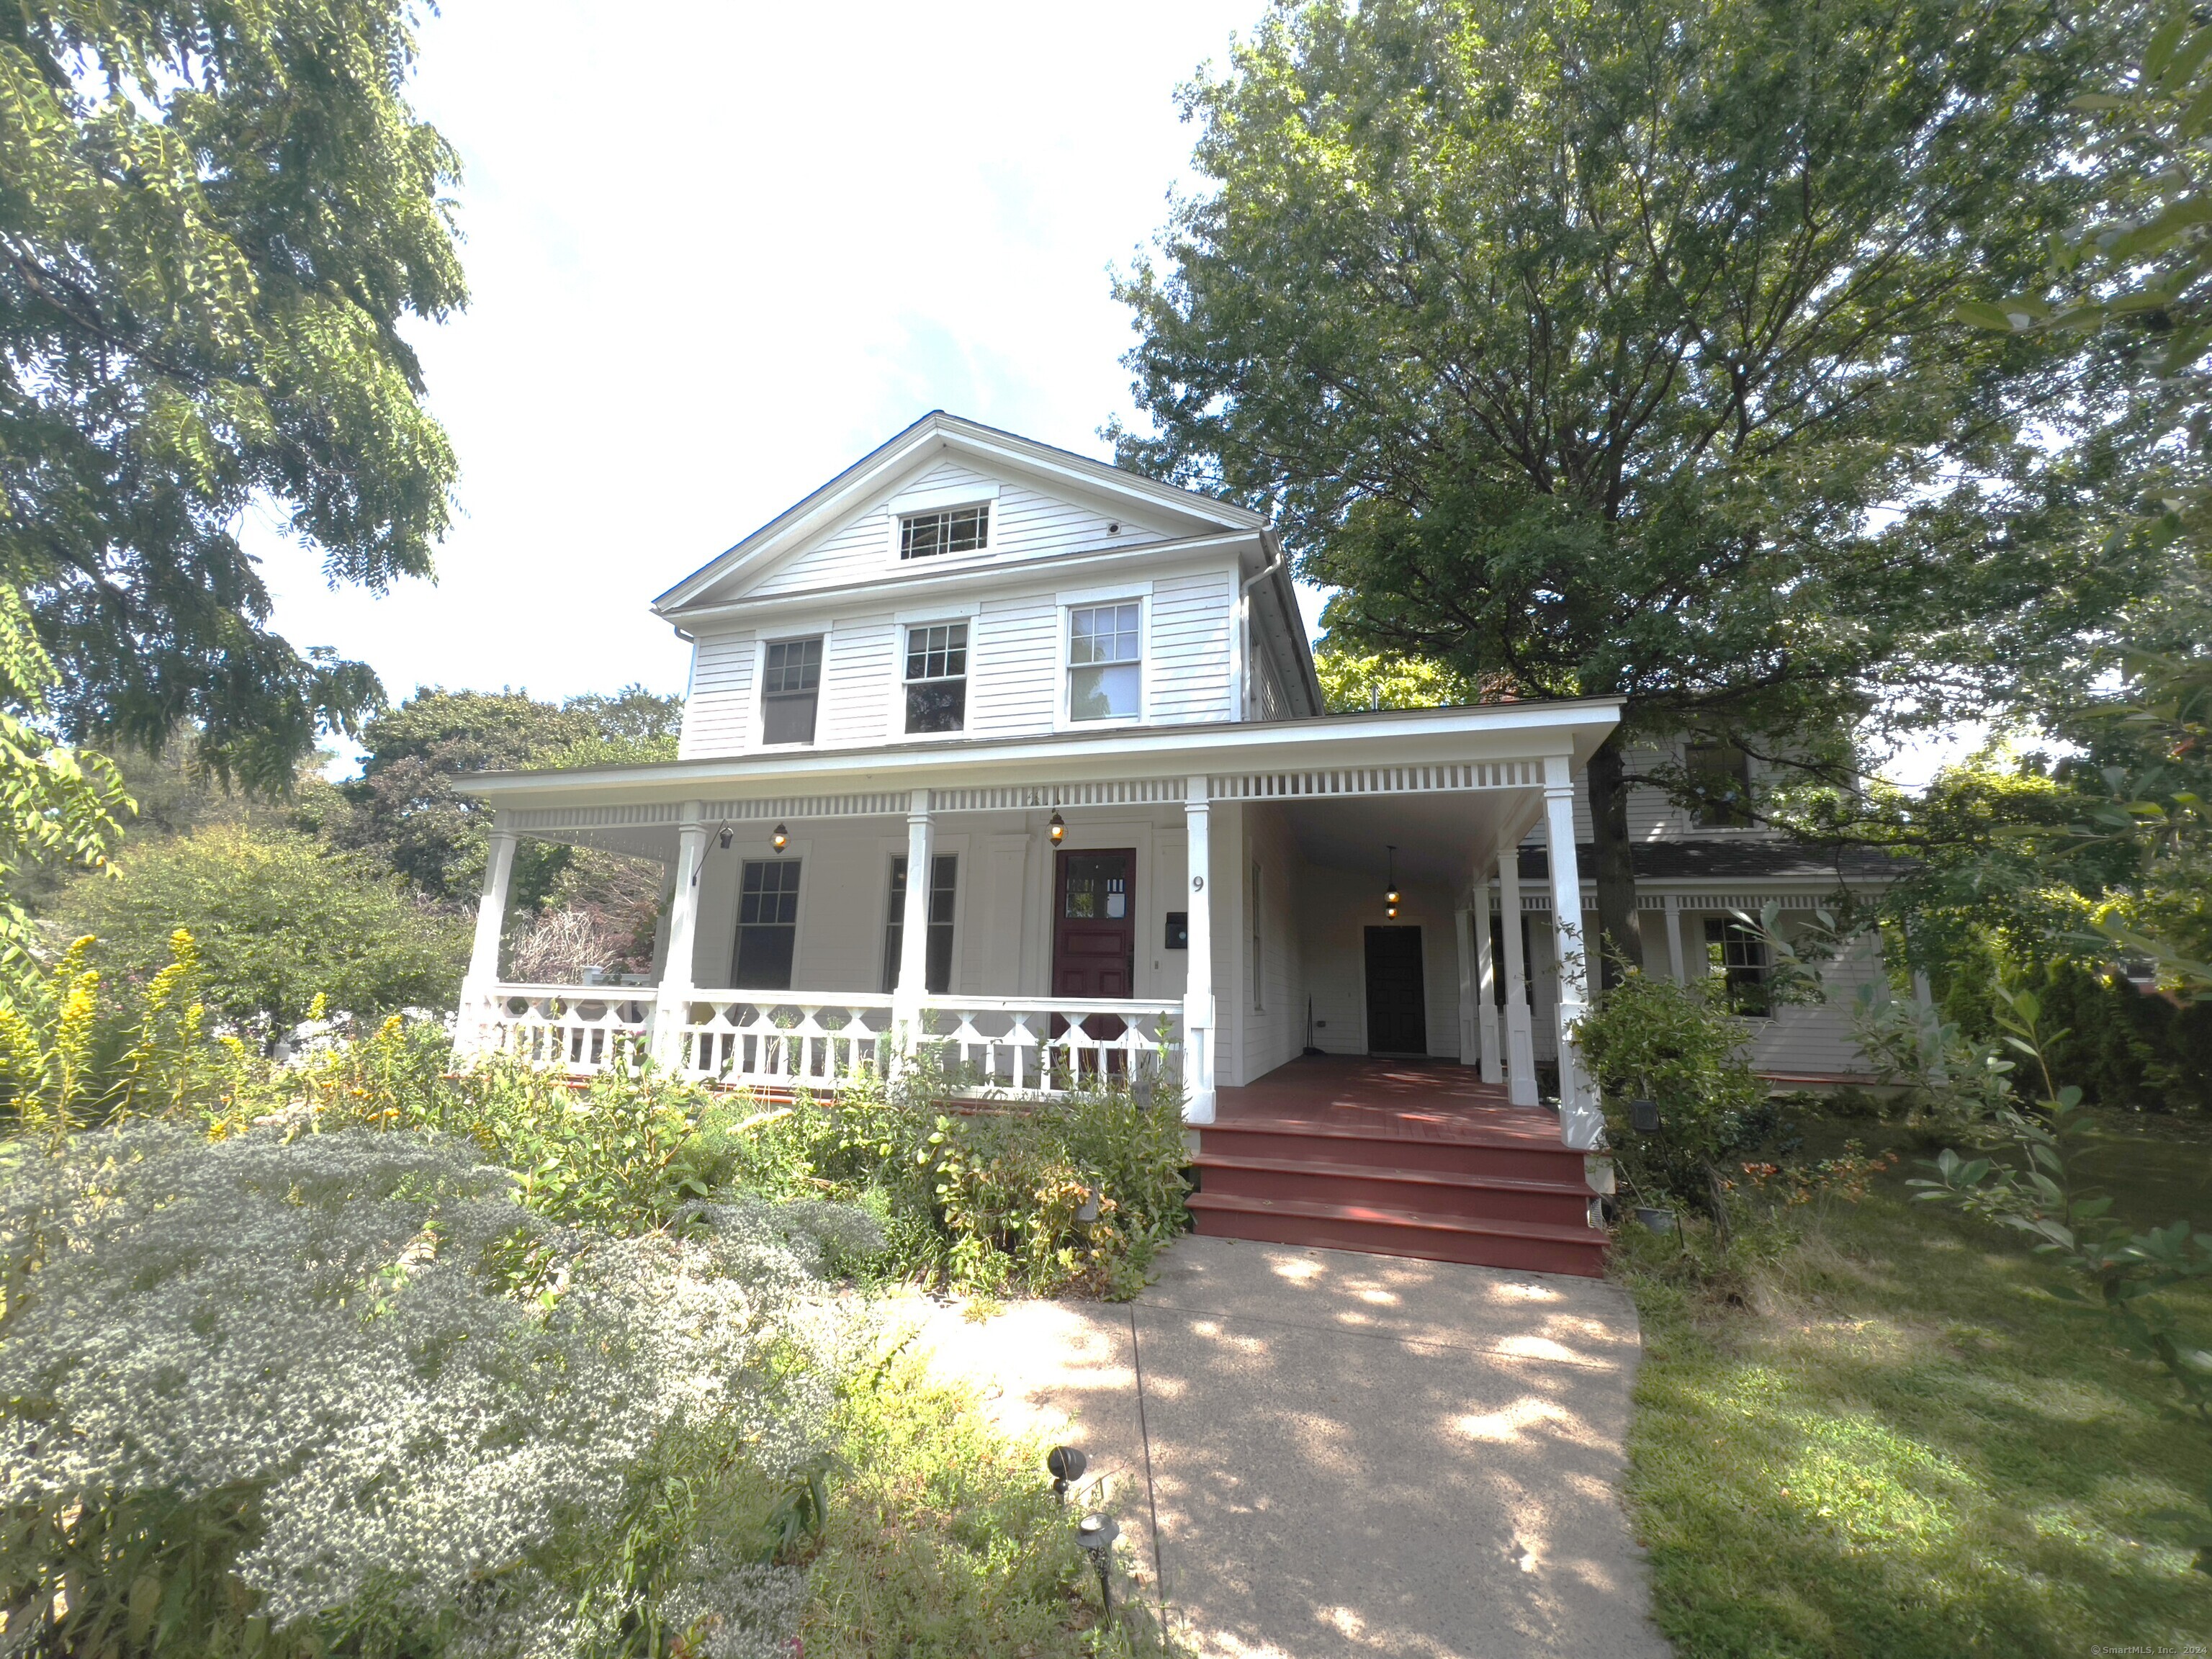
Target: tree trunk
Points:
(1615, 876)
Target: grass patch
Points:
(1890, 1441)
(944, 1541)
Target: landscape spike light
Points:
(1057, 826)
(1065, 1464)
(1096, 1534)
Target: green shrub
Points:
(281, 920)
(1679, 1047)
(989, 1199)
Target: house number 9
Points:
(1198, 884)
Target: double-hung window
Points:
(1735, 952)
(1105, 661)
(790, 686)
(937, 676)
(1722, 773)
(944, 880)
(767, 925)
(957, 529)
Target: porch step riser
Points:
(1560, 1165)
(1383, 1238)
(1564, 1208)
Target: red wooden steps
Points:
(1436, 1191)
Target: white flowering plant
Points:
(342, 1392)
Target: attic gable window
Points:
(956, 530)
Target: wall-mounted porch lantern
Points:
(1057, 827)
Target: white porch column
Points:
(913, 923)
(478, 984)
(1580, 1120)
(1675, 964)
(1198, 988)
(671, 1002)
(1520, 1036)
(1470, 1041)
(1486, 988)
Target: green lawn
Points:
(1898, 1445)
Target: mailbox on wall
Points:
(1178, 930)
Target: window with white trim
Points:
(955, 529)
(937, 676)
(1105, 661)
(790, 686)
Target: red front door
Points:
(1094, 933)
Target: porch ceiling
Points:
(1438, 836)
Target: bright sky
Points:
(696, 298)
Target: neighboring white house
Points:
(1083, 702)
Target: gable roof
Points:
(938, 432)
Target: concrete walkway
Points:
(1338, 1455)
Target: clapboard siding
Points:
(1651, 816)
(857, 682)
(1014, 662)
(721, 694)
(1026, 523)
(1189, 670)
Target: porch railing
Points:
(1014, 1047)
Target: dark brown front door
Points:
(1397, 1017)
(1094, 931)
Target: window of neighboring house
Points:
(1105, 667)
(960, 529)
(937, 676)
(1259, 991)
(791, 685)
(1735, 952)
(1722, 773)
(768, 924)
(944, 881)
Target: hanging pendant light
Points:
(1057, 826)
(780, 839)
(1390, 894)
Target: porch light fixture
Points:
(725, 837)
(779, 840)
(1096, 1534)
(1390, 894)
(1065, 1464)
(1057, 826)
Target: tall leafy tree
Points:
(1605, 348)
(215, 218)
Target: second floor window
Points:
(1105, 667)
(960, 529)
(1722, 773)
(937, 678)
(791, 685)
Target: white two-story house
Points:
(994, 747)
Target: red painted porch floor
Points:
(1396, 1158)
(1421, 1099)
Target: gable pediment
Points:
(1041, 502)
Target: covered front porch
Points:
(1196, 905)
